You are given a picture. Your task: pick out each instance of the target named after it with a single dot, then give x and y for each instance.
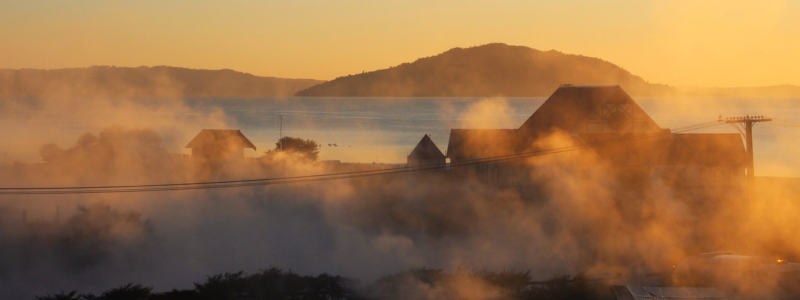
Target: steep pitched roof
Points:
(571, 106)
(426, 149)
(567, 108)
(231, 137)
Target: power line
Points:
(317, 177)
(307, 178)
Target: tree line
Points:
(424, 283)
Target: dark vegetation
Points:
(160, 81)
(488, 70)
(307, 149)
(97, 235)
(276, 284)
(120, 156)
(129, 153)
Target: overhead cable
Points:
(321, 177)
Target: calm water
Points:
(385, 129)
(364, 129)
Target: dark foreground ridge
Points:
(276, 284)
(488, 70)
(160, 81)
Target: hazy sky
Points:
(678, 42)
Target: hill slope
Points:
(488, 70)
(161, 81)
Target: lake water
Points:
(385, 130)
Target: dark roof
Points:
(716, 149)
(625, 150)
(232, 137)
(567, 108)
(426, 149)
(479, 143)
(708, 149)
(570, 106)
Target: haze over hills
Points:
(488, 70)
(160, 81)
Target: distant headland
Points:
(512, 71)
(482, 71)
(159, 81)
(488, 70)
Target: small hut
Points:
(426, 153)
(219, 145)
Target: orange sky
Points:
(684, 43)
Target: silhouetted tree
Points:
(115, 151)
(297, 146)
(424, 283)
(125, 292)
(275, 283)
(176, 295)
(562, 287)
(73, 295)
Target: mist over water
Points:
(385, 130)
(358, 228)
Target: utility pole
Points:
(747, 122)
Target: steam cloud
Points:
(578, 220)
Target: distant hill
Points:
(161, 81)
(488, 70)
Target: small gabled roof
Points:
(220, 136)
(567, 108)
(426, 149)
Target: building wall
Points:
(415, 162)
(217, 152)
(694, 176)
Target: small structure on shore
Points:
(216, 145)
(426, 153)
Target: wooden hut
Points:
(426, 153)
(219, 145)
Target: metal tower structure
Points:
(746, 123)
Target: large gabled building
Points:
(603, 123)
